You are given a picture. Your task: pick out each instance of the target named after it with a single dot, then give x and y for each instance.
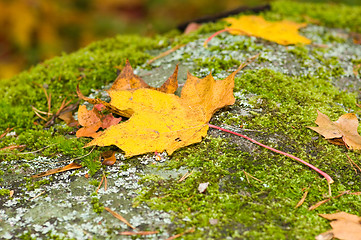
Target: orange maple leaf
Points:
(341, 132)
(282, 32)
(127, 80)
(92, 120)
(162, 121)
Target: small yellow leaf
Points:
(282, 32)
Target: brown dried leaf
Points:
(344, 225)
(109, 158)
(90, 120)
(345, 129)
(124, 113)
(68, 118)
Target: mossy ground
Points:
(277, 98)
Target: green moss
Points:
(94, 182)
(150, 178)
(94, 65)
(262, 210)
(279, 110)
(4, 192)
(32, 184)
(330, 15)
(216, 64)
(301, 52)
(98, 207)
(26, 236)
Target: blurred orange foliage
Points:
(34, 30)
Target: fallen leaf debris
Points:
(341, 132)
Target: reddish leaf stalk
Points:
(325, 175)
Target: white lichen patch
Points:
(322, 54)
(63, 206)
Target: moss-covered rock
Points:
(252, 192)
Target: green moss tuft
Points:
(330, 15)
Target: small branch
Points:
(352, 162)
(302, 199)
(187, 174)
(181, 234)
(325, 175)
(29, 152)
(100, 184)
(37, 196)
(119, 217)
(247, 174)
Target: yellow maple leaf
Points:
(282, 32)
(162, 121)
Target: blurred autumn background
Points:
(34, 30)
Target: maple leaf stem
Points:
(325, 175)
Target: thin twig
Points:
(37, 113)
(353, 163)
(77, 158)
(105, 182)
(187, 174)
(140, 233)
(119, 217)
(37, 196)
(327, 200)
(302, 199)
(49, 104)
(247, 174)
(100, 184)
(7, 130)
(68, 167)
(30, 152)
(246, 177)
(181, 234)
